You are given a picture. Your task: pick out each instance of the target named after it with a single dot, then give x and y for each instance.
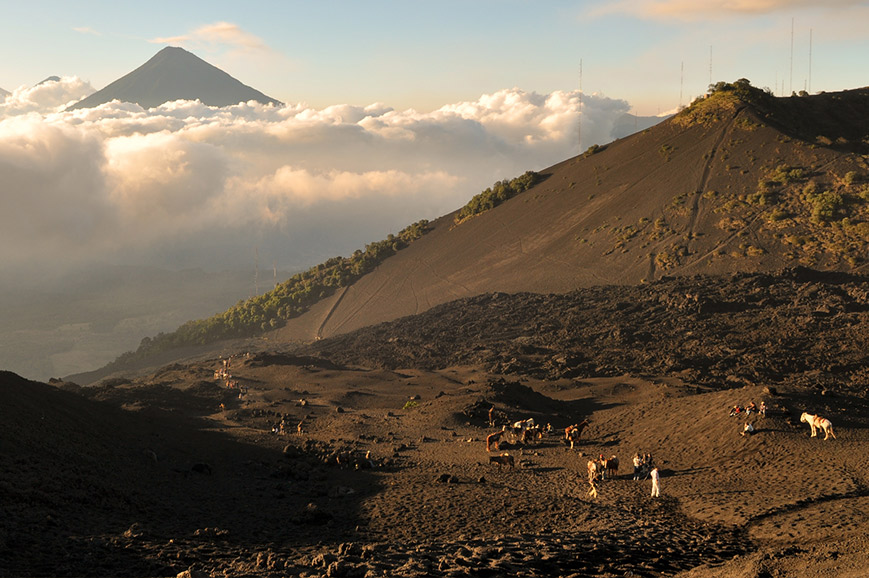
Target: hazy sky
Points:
(423, 54)
(395, 111)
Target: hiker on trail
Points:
(762, 409)
(748, 429)
(492, 416)
(656, 489)
(638, 465)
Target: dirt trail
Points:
(328, 316)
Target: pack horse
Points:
(817, 422)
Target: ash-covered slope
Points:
(739, 182)
(175, 74)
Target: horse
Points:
(503, 460)
(494, 439)
(817, 422)
(611, 467)
(573, 432)
(521, 426)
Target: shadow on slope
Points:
(89, 489)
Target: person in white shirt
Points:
(656, 489)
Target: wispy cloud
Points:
(700, 9)
(87, 30)
(219, 35)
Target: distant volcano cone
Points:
(175, 74)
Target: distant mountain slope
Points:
(4, 93)
(175, 74)
(740, 181)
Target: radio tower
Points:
(710, 65)
(791, 87)
(809, 88)
(579, 130)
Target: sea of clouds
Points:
(186, 184)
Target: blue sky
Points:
(424, 54)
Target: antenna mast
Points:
(710, 65)
(791, 86)
(810, 62)
(579, 132)
(681, 83)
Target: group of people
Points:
(223, 374)
(285, 426)
(749, 409)
(643, 465)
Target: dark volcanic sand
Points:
(82, 492)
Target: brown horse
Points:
(572, 433)
(494, 439)
(611, 467)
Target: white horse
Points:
(817, 422)
(521, 426)
(524, 424)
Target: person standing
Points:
(656, 489)
(638, 465)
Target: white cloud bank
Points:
(47, 96)
(185, 184)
